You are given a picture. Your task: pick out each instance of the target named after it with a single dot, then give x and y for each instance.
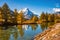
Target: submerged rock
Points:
(52, 33)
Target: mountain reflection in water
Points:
(22, 32)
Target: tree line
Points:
(50, 17)
(8, 16)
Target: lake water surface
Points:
(22, 32)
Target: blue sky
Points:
(37, 6)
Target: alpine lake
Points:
(23, 32)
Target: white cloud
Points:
(56, 9)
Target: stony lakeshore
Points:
(52, 33)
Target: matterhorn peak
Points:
(26, 9)
(23, 10)
(27, 13)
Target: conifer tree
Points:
(46, 17)
(43, 16)
(6, 13)
(15, 15)
(20, 18)
(1, 17)
(34, 19)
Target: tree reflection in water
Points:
(20, 29)
(43, 26)
(4, 34)
(21, 32)
(46, 25)
(34, 26)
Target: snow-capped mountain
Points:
(27, 13)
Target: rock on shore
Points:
(52, 33)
